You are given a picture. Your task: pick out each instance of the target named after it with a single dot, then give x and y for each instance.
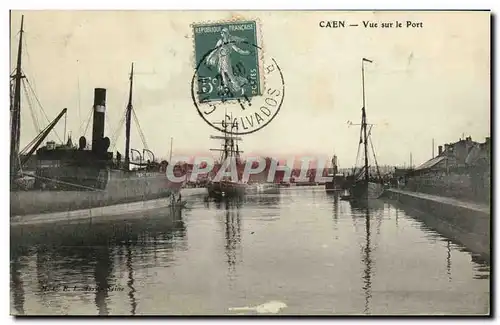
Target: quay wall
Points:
(466, 223)
(467, 186)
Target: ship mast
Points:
(15, 108)
(230, 146)
(128, 120)
(363, 119)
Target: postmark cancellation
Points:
(233, 81)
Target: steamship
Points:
(78, 181)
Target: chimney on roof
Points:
(440, 150)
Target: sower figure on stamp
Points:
(220, 58)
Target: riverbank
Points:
(465, 222)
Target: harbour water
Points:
(302, 251)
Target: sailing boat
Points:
(227, 187)
(363, 186)
(74, 182)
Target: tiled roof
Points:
(431, 163)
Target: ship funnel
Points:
(99, 118)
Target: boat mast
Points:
(226, 151)
(128, 116)
(16, 107)
(363, 119)
(230, 146)
(171, 144)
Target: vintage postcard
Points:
(250, 163)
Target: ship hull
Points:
(104, 213)
(362, 190)
(338, 183)
(219, 190)
(333, 186)
(122, 188)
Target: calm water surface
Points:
(299, 252)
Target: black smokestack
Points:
(99, 118)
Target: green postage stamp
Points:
(227, 61)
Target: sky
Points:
(425, 83)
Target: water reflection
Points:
(336, 213)
(17, 284)
(103, 277)
(158, 273)
(231, 221)
(130, 282)
(482, 267)
(264, 200)
(397, 218)
(367, 261)
(260, 200)
(436, 231)
(86, 256)
(365, 209)
(448, 259)
(361, 206)
(233, 238)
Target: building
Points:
(462, 154)
(461, 170)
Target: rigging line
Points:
(373, 150)
(12, 91)
(32, 111)
(23, 151)
(40, 104)
(79, 100)
(118, 130)
(25, 50)
(88, 122)
(375, 158)
(83, 122)
(143, 138)
(34, 140)
(356, 161)
(108, 125)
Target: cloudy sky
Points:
(425, 83)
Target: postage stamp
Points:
(228, 83)
(230, 61)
